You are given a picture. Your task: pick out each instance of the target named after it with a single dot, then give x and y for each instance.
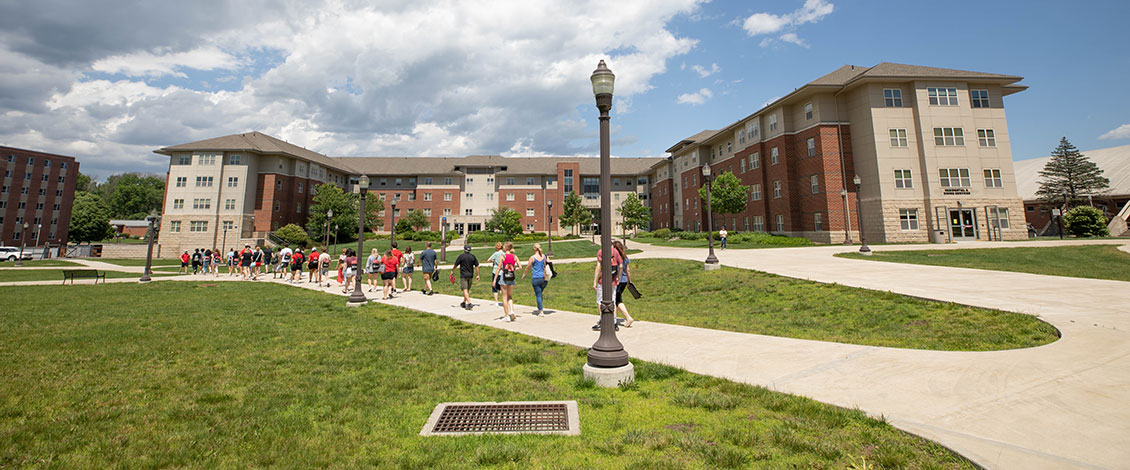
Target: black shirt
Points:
(467, 263)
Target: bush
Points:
(1086, 221)
(643, 234)
(294, 235)
(663, 233)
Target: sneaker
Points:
(463, 304)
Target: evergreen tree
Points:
(634, 213)
(573, 212)
(1070, 172)
(727, 195)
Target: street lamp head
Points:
(26, 225)
(856, 180)
(394, 204)
(549, 202)
(602, 80)
(363, 182)
(706, 170)
(329, 213)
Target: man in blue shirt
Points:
(428, 266)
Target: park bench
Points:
(73, 274)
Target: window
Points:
(817, 221)
(27, 176)
(44, 177)
(447, 211)
(30, 161)
(979, 98)
(384, 181)
(11, 158)
(772, 123)
(400, 181)
(203, 181)
(198, 226)
(529, 196)
(942, 96)
(742, 165)
(63, 165)
(509, 196)
(949, 136)
(428, 211)
(773, 156)
(235, 159)
(233, 181)
(428, 180)
(58, 193)
(22, 205)
(814, 182)
(412, 196)
(812, 146)
(755, 161)
(755, 192)
(42, 191)
(903, 179)
(777, 189)
(758, 223)
(754, 129)
(23, 190)
(62, 179)
(1002, 218)
(427, 196)
(39, 207)
(298, 208)
(986, 138)
(993, 178)
(741, 136)
(229, 204)
(730, 147)
(446, 196)
(174, 226)
(808, 111)
(57, 206)
(447, 180)
(178, 203)
(529, 227)
(7, 173)
(615, 181)
(278, 185)
(908, 218)
(206, 159)
(530, 180)
(467, 212)
(954, 177)
(201, 203)
(396, 197)
(898, 138)
(469, 195)
(278, 206)
(490, 180)
(568, 181)
(892, 97)
(529, 212)
(591, 187)
(182, 181)
(510, 181)
(780, 223)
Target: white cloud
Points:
(706, 72)
(759, 24)
(152, 64)
(1120, 132)
(696, 98)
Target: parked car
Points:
(10, 253)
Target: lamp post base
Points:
(144, 280)
(356, 304)
(711, 266)
(864, 250)
(609, 377)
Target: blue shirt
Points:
(428, 260)
(624, 271)
(538, 267)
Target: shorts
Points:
(184, 264)
(296, 267)
(388, 276)
(465, 283)
(409, 270)
(494, 287)
(615, 295)
(246, 264)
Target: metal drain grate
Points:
(546, 417)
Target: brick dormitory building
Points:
(38, 190)
(930, 146)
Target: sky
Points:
(110, 81)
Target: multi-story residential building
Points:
(930, 146)
(235, 189)
(38, 190)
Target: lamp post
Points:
(152, 219)
(1061, 211)
(326, 240)
(711, 260)
(23, 245)
(549, 224)
(847, 217)
(443, 239)
(392, 238)
(863, 249)
(357, 298)
(335, 239)
(608, 363)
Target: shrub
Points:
(294, 235)
(1086, 221)
(642, 234)
(662, 234)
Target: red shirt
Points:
(391, 262)
(396, 253)
(184, 258)
(617, 260)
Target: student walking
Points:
(284, 261)
(468, 266)
(349, 261)
(391, 265)
(196, 261)
(268, 261)
(296, 266)
(206, 261)
(396, 253)
(324, 268)
(407, 267)
(184, 263)
(495, 262)
(722, 236)
(623, 282)
(312, 267)
(539, 279)
(216, 259)
(373, 269)
(256, 261)
(233, 263)
(341, 266)
(618, 265)
(428, 267)
(506, 279)
(245, 261)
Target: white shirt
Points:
(285, 254)
(722, 233)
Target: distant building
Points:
(38, 190)
(133, 228)
(1115, 163)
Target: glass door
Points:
(962, 224)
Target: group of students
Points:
(387, 268)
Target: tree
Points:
(90, 219)
(1069, 171)
(505, 220)
(1086, 221)
(134, 196)
(83, 183)
(415, 219)
(344, 205)
(374, 206)
(727, 195)
(573, 212)
(294, 235)
(635, 214)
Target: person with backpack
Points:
(540, 278)
(349, 268)
(216, 259)
(624, 281)
(324, 267)
(312, 267)
(468, 266)
(428, 267)
(507, 278)
(373, 269)
(256, 261)
(196, 261)
(245, 256)
(396, 253)
(184, 263)
(495, 262)
(296, 266)
(407, 267)
(284, 261)
(389, 266)
(617, 259)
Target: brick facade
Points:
(39, 182)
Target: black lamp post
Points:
(329, 215)
(23, 244)
(863, 248)
(549, 224)
(1061, 211)
(443, 239)
(711, 260)
(357, 298)
(392, 238)
(152, 219)
(607, 352)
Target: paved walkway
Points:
(1064, 405)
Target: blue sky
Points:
(449, 78)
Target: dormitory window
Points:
(299, 188)
(892, 97)
(446, 196)
(229, 204)
(278, 185)
(777, 189)
(184, 160)
(529, 212)
(898, 138)
(203, 181)
(174, 226)
(298, 208)
(233, 181)
(755, 192)
(942, 96)
(470, 195)
(817, 221)
(812, 146)
(808, 111)
(615, 181)
(509, 181)
(1002, 218)
(412, 196)
(772, 123)
(979, 98)
(758, 223)
(993, 178)
(198, 226)
(427, 196)
(780, 223)
(384, 181)
(755, 161)
(730, 147)
(903, 179)
(206, 159)
(530, 181)
(182, 181)
(529, 196)
(509, 196)
(447, 180)
(178, 203)
(427, 212)
(986, 138)
(908, 218)
(278, 206)
(742, 165)
(228, 225)
(754, 129)
(399, 181)
(201, 203)
(773, 156)
(467, 212)
(954, 177)
(949, 136)
(447, 211)
(428, 180)
(814, 182)
(741, 136)
(591, 187)
(234, 159)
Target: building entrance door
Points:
(963, 225)
(474, 227)
(459, 228)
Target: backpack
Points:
(508, 273)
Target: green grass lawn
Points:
(138, 262)
(561, 250)
(730, 244)
(16, 275)
(681, 292)
(211, 377)
(1089, 261)
(39, 262)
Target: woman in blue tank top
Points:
(537, 264)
